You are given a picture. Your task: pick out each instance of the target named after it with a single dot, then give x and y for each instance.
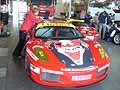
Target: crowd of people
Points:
(101, 21)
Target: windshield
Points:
(58, 33)
(42, 2)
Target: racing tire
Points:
(116, 39)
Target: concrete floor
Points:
(14, 77)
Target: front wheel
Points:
(116, 39)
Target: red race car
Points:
(88, 32)
(58, 55)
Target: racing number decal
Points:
(102, 52)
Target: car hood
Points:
(72, 53)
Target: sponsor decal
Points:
(40, 54)
(31, 54)
(73, 49)
(81, 77)
(51, 71)
(75, 53)
(54, 24)
(35, 69)
(102, 52)
(79, 69)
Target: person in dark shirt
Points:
(103, 23)
(88, 18)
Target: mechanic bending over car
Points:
(30, 20)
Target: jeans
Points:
(102, 30)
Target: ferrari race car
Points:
(88, 32)
(114, 33)
(57, 54)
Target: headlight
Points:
(40, 54)
(102, 52)
(102, 72)
(50, 76)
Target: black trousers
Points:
(21, 44)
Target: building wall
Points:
(63, 6)
(70, 5)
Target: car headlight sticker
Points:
(40, 54)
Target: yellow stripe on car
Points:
(54, 24)
(75, 20)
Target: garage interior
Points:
(14, 77)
